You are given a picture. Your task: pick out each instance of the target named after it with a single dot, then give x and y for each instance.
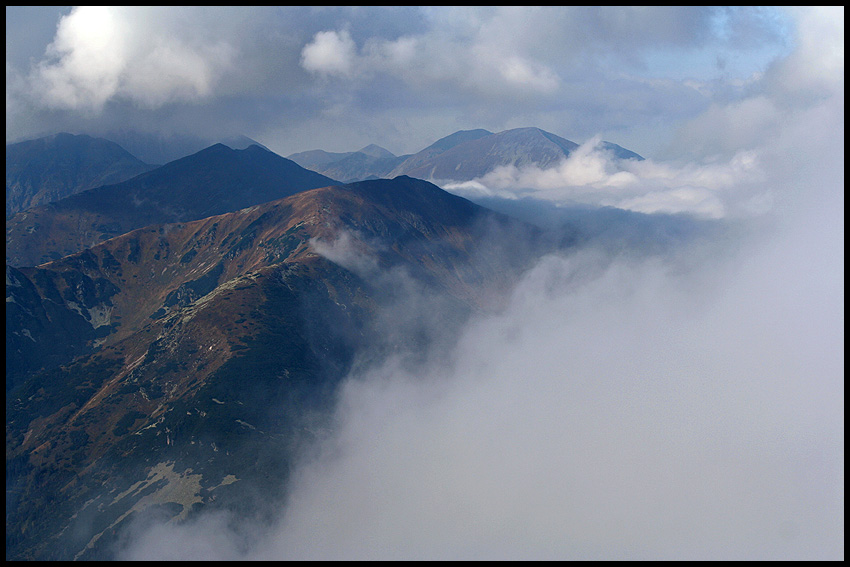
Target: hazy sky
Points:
(338, 78)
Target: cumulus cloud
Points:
(806, 78)
(330, 53)
(521, 72)
(815, 69)
(517, 51)
(273, 73)
(100, 53)
(424, 59)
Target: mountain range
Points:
(189, 188)
(186, 335)
(175, 340)
(462, 156)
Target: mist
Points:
(629, 414)
(592, 176)
(617, 404)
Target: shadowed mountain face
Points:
(213, 181)
(189, 361)
(462, 156)
(49, 169)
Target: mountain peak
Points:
(212, 181)
(376, 152)
(461, 156)
(241, 142)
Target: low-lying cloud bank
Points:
(617, 407)
(613, 410)
(593, 176)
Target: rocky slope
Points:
(204, 353)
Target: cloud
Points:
(615, 407)
(591, 175)
(619, 406)
(101, 53)
(808, 77)
(337, 78)
(603, 417)
(815, 69)
(330, 53)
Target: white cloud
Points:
(574, 71)
(103, 53)
(330, 53)
(700, 202)
(521, 72)
(87, 58)
(809, 76)
(815, 69)
(428, 58)
(590, 175)
(612, 409)
(615, 408)
(602, 417)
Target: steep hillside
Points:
(211, 349)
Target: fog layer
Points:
(617, 407)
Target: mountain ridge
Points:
(215, 180)
(461, 156)
(218, 343)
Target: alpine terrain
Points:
(185, 338)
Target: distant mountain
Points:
(317, 159)
(462, 156)
(212, 181)
(480, 155)
(376, 152)
(240, 143)
(203, 354)
(48, 169)
(426, 156)
(159, 148)
(455, 139)
(369, 162)
(620, 152)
